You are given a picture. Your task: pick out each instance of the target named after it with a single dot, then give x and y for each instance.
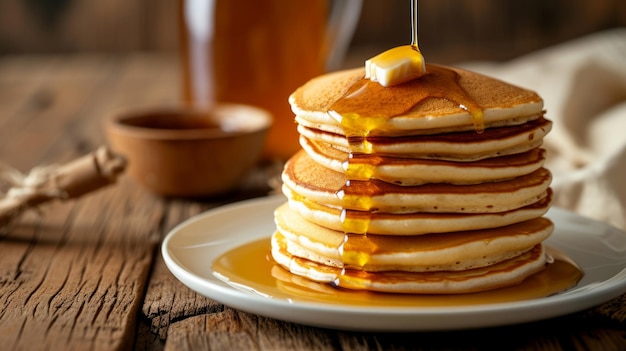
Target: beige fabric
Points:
(583, 84)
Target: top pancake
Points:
(501, 104)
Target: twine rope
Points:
(22, 186)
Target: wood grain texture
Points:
(234, 330)
(73, 274)
(78, 278)
(88, 274)
(168, 300)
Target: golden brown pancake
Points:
(305, 178)
(433, 252)
(362, 222)
(409, 171)
(461, 146)
(502, 103)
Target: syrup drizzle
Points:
(367, 107)
(360, 117)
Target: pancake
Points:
(505, 273)
(434, 252)
(462, 146)
(303, 177)
(406, 171)
(501, 103)
(365, 222)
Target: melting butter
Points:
(396, 66)
(400, 64)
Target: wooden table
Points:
(87, 274)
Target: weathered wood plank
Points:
(74, 276)
(168, 300)
(65, 100)
(41, 121)
(79, 282)
(234, 330)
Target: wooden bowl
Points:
(176, 151)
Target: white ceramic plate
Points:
(190, 248)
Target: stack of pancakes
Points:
(432, 186)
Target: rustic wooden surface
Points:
(88, 274)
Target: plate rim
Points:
(559, 304)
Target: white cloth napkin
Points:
(583, 84)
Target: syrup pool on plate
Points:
(250, 268)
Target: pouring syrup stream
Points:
(414, 25)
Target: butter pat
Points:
(396, 66)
